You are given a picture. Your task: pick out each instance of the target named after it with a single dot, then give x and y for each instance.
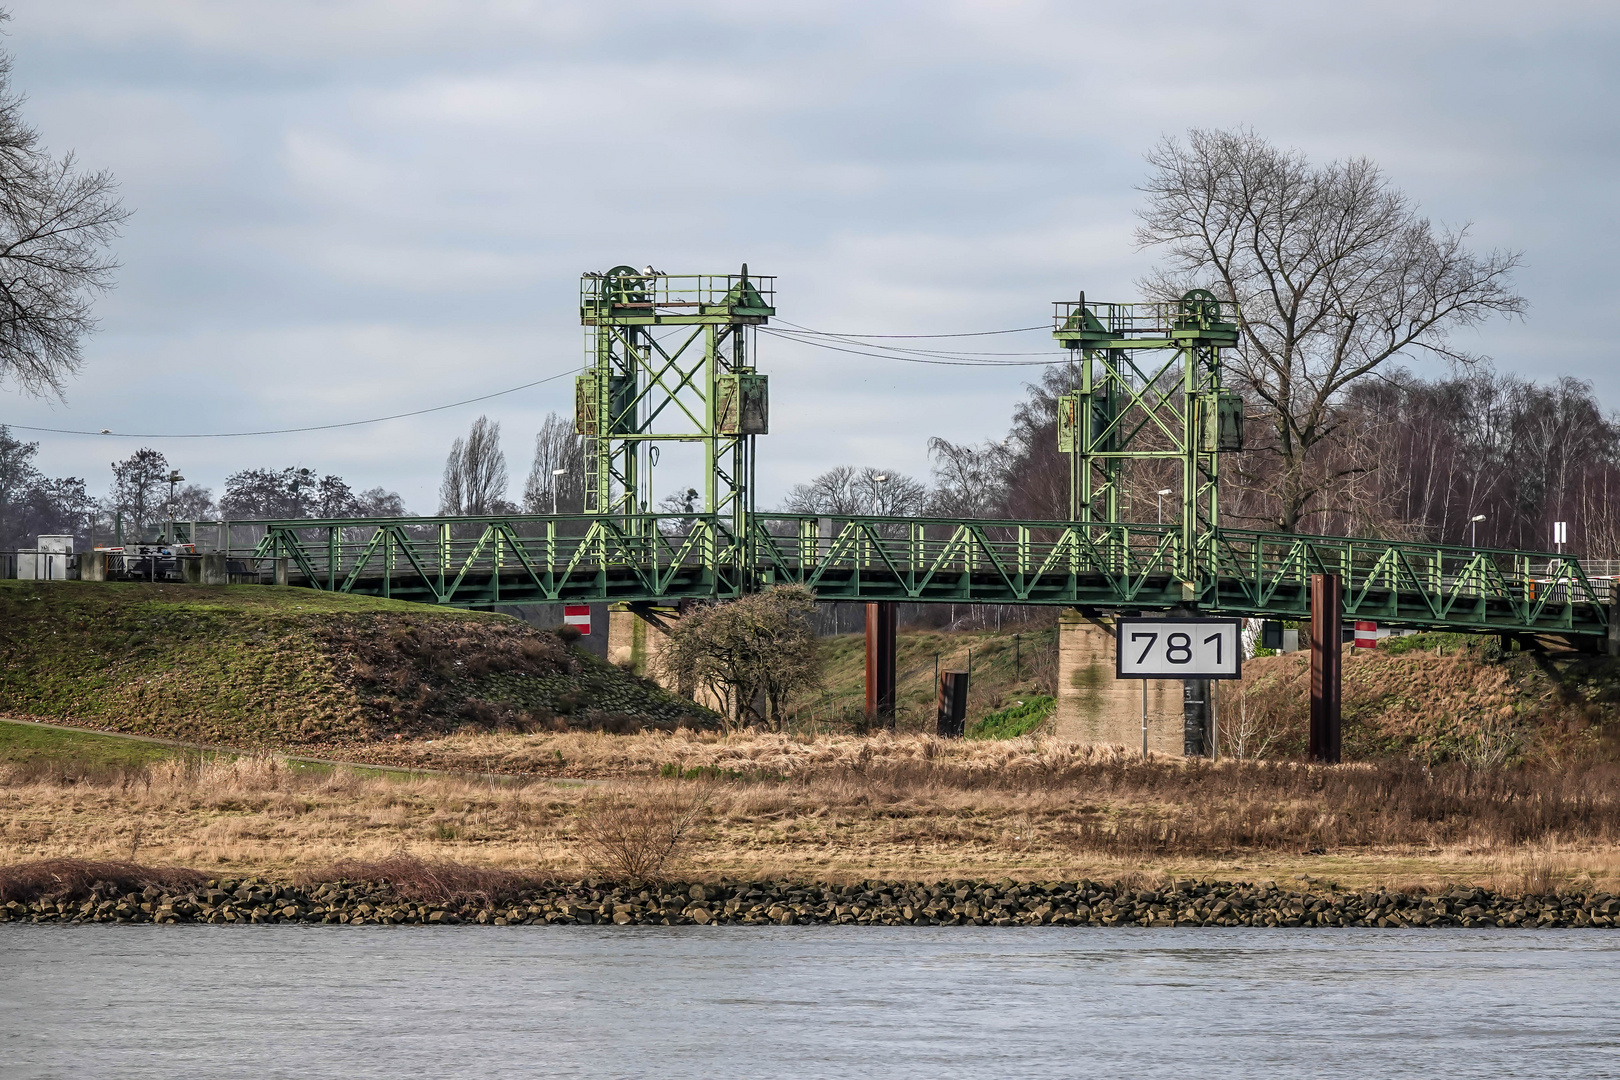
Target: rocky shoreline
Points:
(870, 903)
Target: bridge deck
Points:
(663, 558)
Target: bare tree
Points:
(969, 481)
(31, 502)
(55, 224)
(556, 447)
(333, 498)
(17, 476)
(846, 491)
(380, 502)
(270, 494)
(190, 503)
(475, 473)
(1336, 274)
(1037, 473)
(139, 488)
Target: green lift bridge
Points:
(670, 360)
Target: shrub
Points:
(1017, 719)
(639, 840)
(74, 879)
(758, 647)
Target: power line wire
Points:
(787, 332)
(296, 430)
(977, 333)
(850, 339)
(917, 359)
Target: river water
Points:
(735, 1003)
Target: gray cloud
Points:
(351, 209)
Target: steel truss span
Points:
(661, 558)
(669, 360)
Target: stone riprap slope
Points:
(871, 903)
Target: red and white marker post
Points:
(1366, 635)
(578, 615)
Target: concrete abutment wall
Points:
(635, 639)
(1096, 708)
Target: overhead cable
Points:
(904, 357)
(293, 431)
(976, 333)
(859, 342)
(851, 343)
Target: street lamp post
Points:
(1161, 493)
(554, 474)
(881, 481)
(174, 479)
(1473, 529)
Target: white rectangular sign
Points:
(1178, 648)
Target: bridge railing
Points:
(540, 558)
(1399, 581)
(857, 557)
(447, 560)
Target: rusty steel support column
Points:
(1326, 666)
(881, 623)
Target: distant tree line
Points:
(145, 493)
(1406, 458)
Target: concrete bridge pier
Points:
(1096, 708)
(636, 635)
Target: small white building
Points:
(47, 561)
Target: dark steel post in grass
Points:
(953, 695)
(1327, 615)
(881, 624)
(1195, 736)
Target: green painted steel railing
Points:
(1115, 567)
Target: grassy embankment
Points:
(256, 666)
(1436, 698)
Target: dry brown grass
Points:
(843, 808)
(77, 877)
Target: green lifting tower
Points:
(668, 358)
(1147, 386)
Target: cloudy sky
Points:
(351, 208)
